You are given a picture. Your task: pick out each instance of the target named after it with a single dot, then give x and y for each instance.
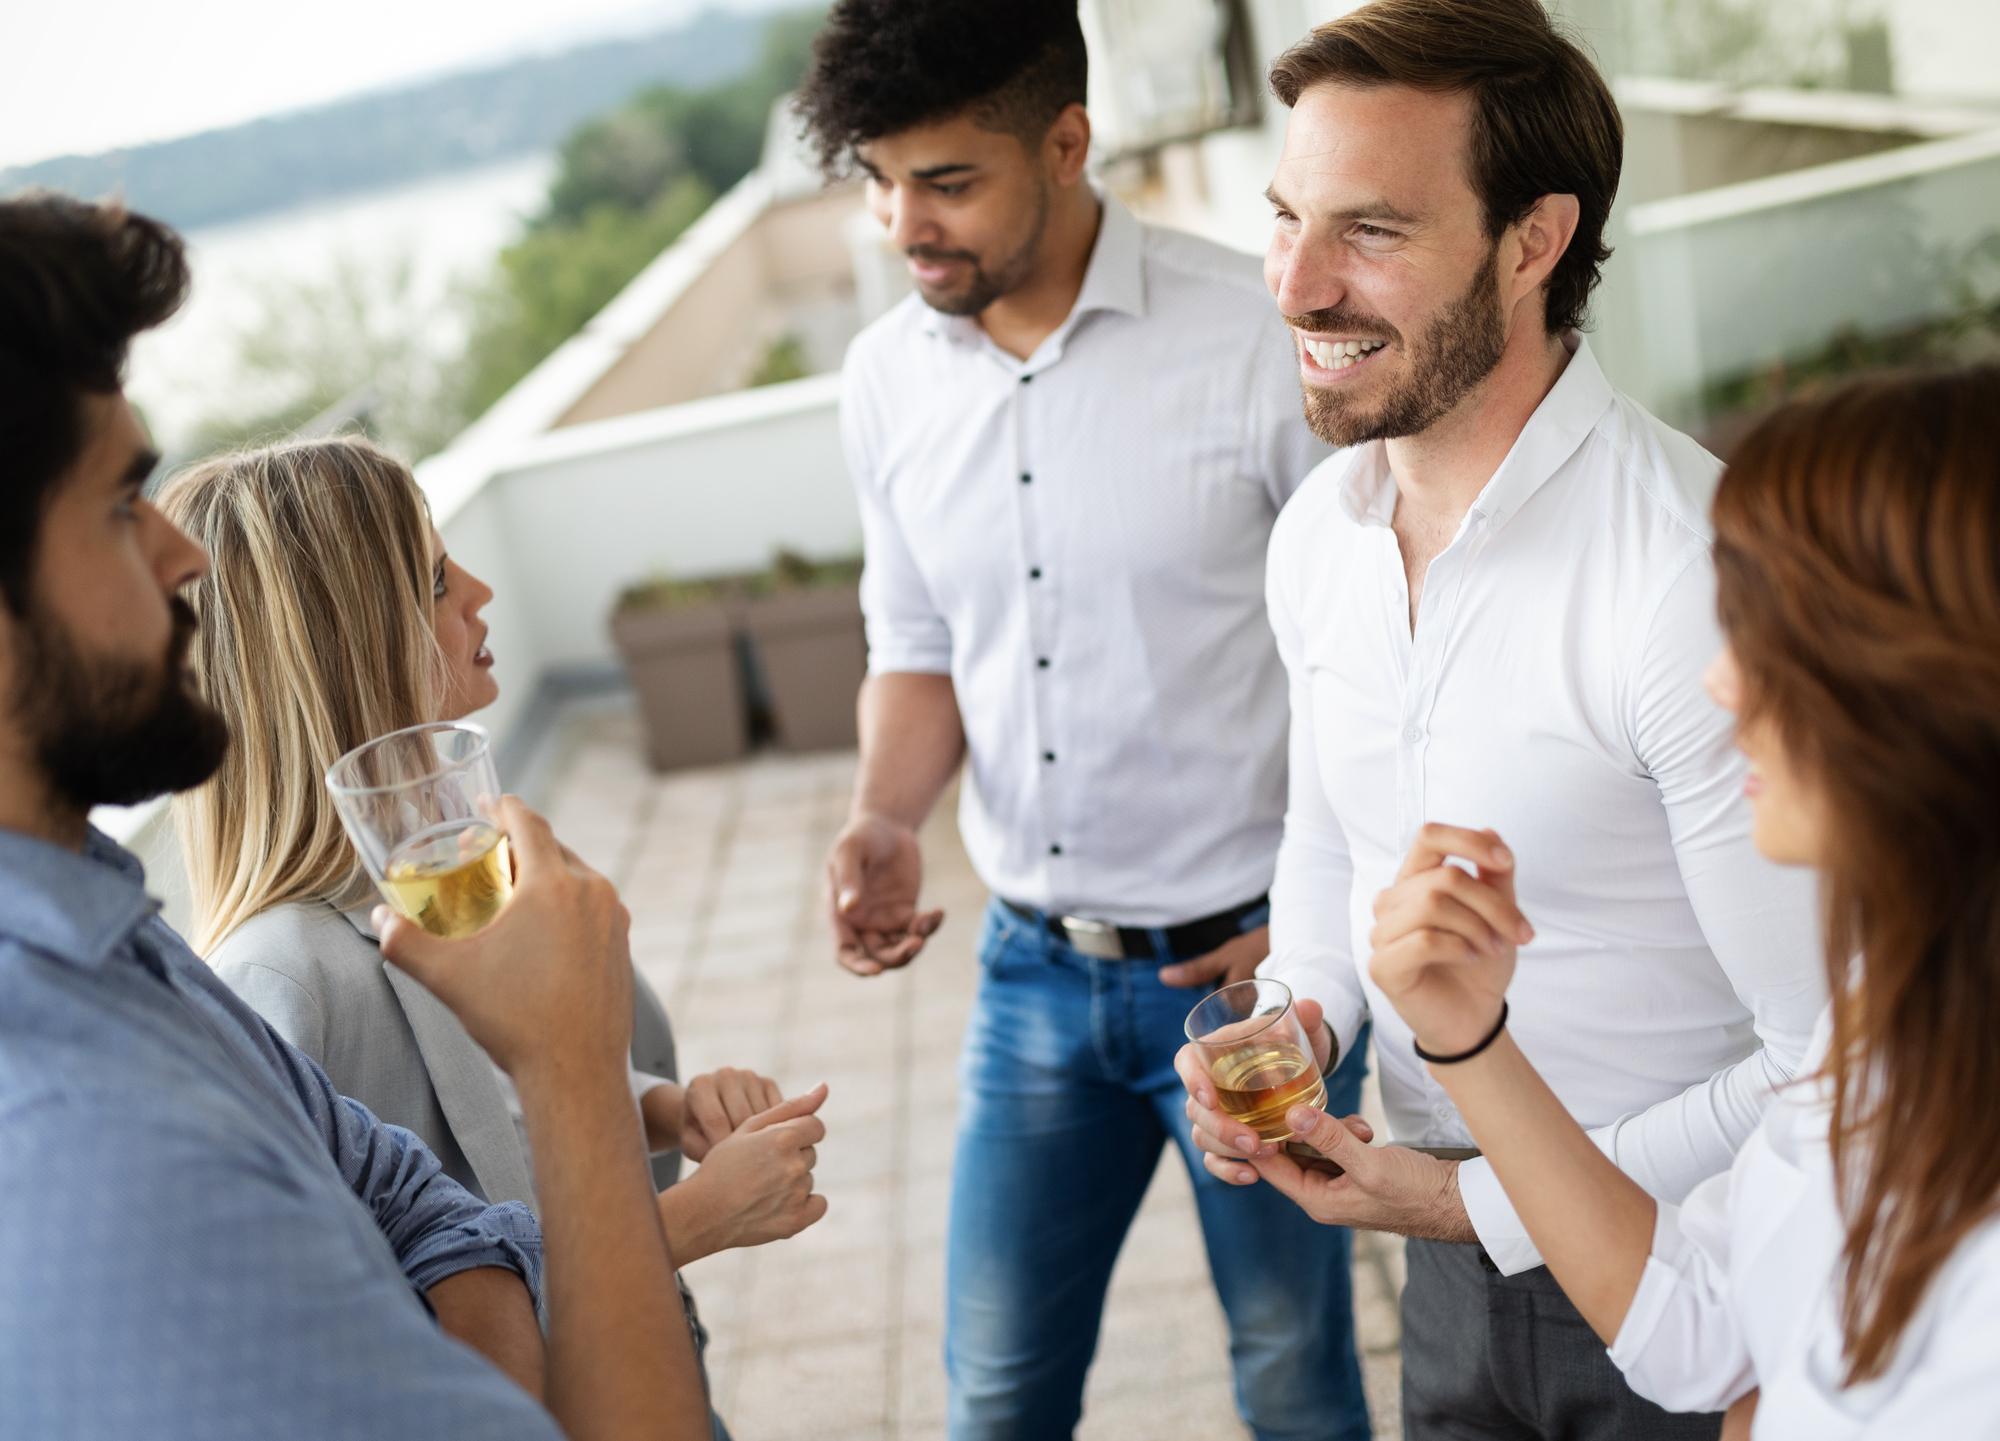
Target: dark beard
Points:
(1459, 349)
(983, 289)
(114, 733)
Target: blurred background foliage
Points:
(628, 183)
(358, 346)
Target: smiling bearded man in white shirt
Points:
(1495, 610)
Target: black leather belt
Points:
(1130, 943)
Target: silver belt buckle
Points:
(1094, 938)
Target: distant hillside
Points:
(385, 138)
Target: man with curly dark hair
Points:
(1070, 446)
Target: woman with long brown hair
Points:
(1849, 1264)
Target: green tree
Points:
(627, 184)
(557, 277)
(367, 333)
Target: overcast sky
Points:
(78, 76)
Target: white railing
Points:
(566, 520)
(1745, 279)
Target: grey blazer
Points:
(317, 976)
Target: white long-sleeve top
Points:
(1078, 540)
(1743, 1289)
(1552, 691)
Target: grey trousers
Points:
(1488, 1356)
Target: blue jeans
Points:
(1068, 1091)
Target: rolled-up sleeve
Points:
(435, 1226)
(1682, 1345)
(906, 632)
(170, 1277)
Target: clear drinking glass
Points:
(421, 806)
(1250, 1042)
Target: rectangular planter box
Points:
(683, 666)
(814, 656)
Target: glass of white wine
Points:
(1250, 1042)
(421, 806)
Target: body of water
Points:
(447, 231)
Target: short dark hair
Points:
(1543, 120)
(77, 282)
(884, 66)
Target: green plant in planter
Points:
(791, 571)
(788, 571)
(663, 592)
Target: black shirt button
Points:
(1048, 755)
(1035, 574)
(1025, 477)
(1042, 662)
(1055, 850)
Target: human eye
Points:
(437, 582)
(1375, 234)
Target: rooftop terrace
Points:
(836, 1335)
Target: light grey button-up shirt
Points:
(1552, 690)
(200, 1240)
(1078, 540)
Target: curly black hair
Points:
(77, 282)
(884, 66)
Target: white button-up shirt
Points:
(1078, 541)
(1743, 1289)
(1552, 691)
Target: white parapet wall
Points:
(558, 524)
(568, 519)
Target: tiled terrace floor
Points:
(835, 1335)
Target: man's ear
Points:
(1066, 147)
(1543, 235)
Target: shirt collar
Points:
(1560, 424)
(1115, 279)
(76, 907)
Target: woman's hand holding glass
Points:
(1445, 939)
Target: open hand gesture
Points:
(872, 879)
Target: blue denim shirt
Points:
(199, 1238)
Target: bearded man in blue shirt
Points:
(198, 1237)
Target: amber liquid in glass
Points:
(1258, 1085)
(451, 880)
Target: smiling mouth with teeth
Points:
(1339, 354)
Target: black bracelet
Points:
(1491, 1036)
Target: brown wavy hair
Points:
(1858, 563)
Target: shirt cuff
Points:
(1343, 1018)
(896, 656)
(1493, 1219)
(642, 1082)
(506, 1235)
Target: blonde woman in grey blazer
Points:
(331, 616)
